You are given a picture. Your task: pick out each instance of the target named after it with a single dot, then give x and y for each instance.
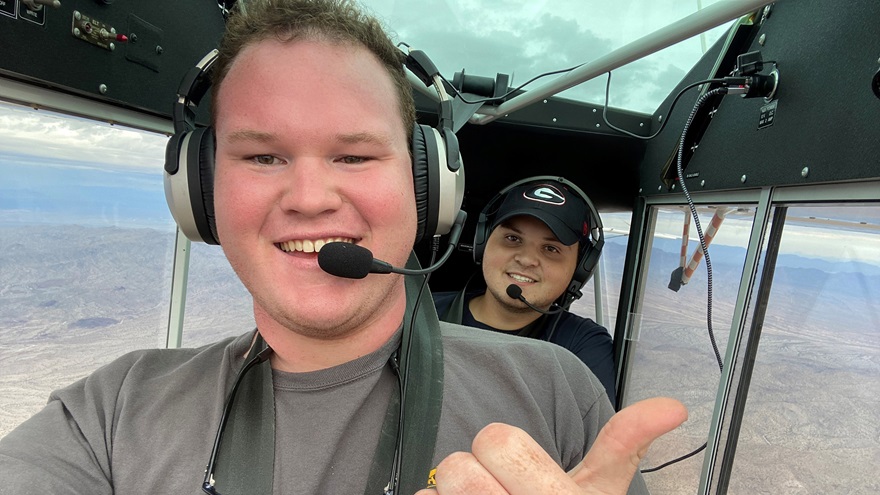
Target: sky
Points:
(524, 38)
(52, 136)
(57, 168)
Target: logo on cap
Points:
(545, 194)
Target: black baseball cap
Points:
(560, 208)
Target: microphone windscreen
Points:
(345, 260)
(514, 291)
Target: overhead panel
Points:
(127, 53)
(817, 127)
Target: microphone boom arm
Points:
(352, 261)
(380, 266)
(515, 292)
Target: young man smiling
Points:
(536, 235)
(313, 117)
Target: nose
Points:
(310, 188)
(526, 257)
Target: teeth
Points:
(520, 278)
(310, 246)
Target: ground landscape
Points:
(72, 298)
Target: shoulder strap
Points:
(423, 397)
(535, 329)
(246, 462)
(455, 310)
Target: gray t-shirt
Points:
(146, 422)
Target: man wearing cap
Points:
(538, 241)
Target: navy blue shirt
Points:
(585, 338)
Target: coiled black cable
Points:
(680, 169)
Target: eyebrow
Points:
(250, 135)
(510, 226)
(266, 137)
(363, 137)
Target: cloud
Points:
(54, 137)
(525, 38)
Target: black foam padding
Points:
(345, 260)
(420, 178)
(207, 149)
(514, 291)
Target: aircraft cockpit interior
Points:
(725, 144)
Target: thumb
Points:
(612, 461)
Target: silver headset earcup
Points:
(447, 187)
(439, 191)
(188, 180)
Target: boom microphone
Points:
(515, 292)
(345, 260)
(352, 261)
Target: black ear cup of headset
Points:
(438, 174)
(589, 254)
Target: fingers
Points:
(518, 464)
(461, 473)
(507, 461)
(614, 458)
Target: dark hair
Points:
(335, 21)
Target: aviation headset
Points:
(589, 251)
(438, 174)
